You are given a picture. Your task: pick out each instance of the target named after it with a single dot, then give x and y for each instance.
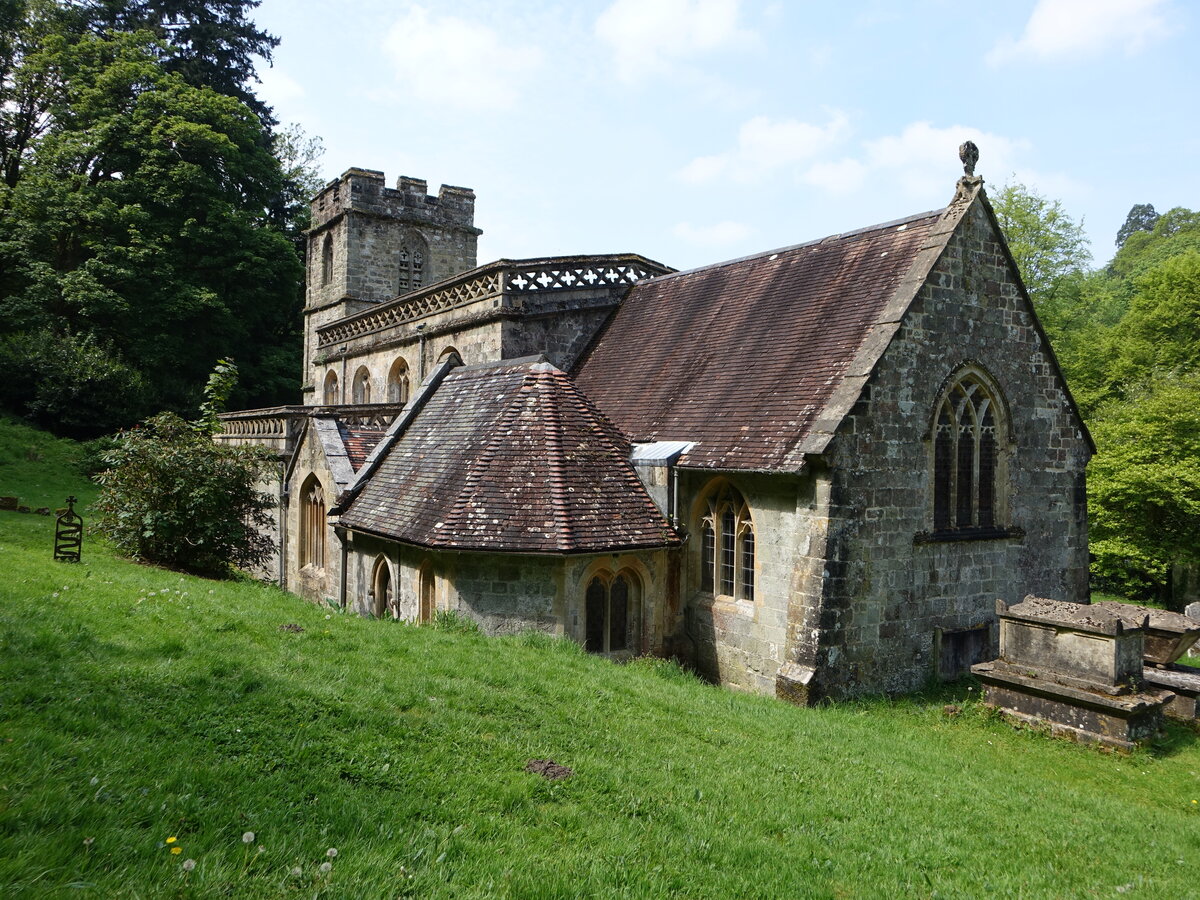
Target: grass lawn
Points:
(139, 706)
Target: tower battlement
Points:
(366, 191)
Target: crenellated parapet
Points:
(366, 191)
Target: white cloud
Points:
(650, 36)
(451, 61)
(765, 146)
(276, 87)
(718, 235)
(918, 161)
(1073, 28)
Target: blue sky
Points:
(693, 131)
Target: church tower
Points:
(369, 244)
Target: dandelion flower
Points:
(296, 872)
(176, 850)
(248, 837)
(262, 849)
(326, 867)
(188, 865)
(171, 839)
(331, 852)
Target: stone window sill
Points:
(953, 535)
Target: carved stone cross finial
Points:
(969, 154)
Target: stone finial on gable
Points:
(968, 152)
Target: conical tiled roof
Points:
(508, 457)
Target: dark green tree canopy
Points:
(147, 223)
(1141, 218)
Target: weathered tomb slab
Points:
(1168, 635)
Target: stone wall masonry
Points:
(885, 589)
(742, 643)
(507, 593)
(313, 582)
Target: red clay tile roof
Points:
(508, 457)
(359, 442)
(742, 357)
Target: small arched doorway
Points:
(612, 612)
(384, 595)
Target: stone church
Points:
(809, 472)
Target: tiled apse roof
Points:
(743, 357)
(508, 457)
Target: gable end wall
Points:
(884, 593)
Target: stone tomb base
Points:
(1119, 721)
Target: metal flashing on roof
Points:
(659, 453)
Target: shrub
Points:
(171, 495)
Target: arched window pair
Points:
(727, 545)
(397, 382)
(968, 433)
(362, 386)
(611, 605)
(331, 389)
(312, 523)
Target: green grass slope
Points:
(139, 706)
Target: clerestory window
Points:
(727, 563)
(967, 436)
(397, 383)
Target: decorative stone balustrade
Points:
(501, 281)
(278, 427)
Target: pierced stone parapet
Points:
(496, 282)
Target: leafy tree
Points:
(173, 496)
(209, 43)
(1144, 487)
(1046, 243)
(142, 219)
(1141, 218)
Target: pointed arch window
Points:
(327, 260)
(968, 432)
(331, 388)
(610, 612)
(362, 385)
(727, 550)
(397, 382)
(413, 255)
(312, 523)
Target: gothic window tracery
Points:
(312, 523)
(727, 548)
(331, 388)
(362, 385)
(968, 433)
(397, 383)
